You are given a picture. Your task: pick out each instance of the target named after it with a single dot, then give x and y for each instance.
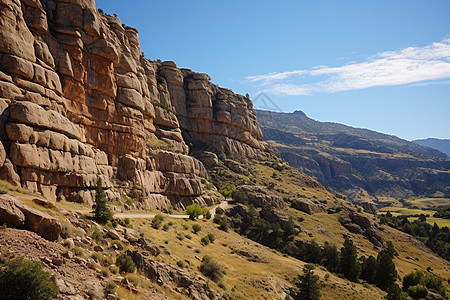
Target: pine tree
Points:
(308, 284)
(349, 265)
(102, 212)
(331, 257)
(386, 273)
(369, 269)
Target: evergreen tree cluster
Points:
(436, 238)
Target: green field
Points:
(429, 202)
(424, 205)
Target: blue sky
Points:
(382, 65)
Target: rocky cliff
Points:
(79, 101)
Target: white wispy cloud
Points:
(405, 66)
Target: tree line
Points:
(435, 237)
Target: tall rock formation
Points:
(79, 101)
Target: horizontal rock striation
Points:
(79, 101)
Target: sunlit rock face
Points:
(79, 101)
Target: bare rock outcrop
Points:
(260, 197)
(79, 101)
(307, 206)
(15, 213)
(168, 275)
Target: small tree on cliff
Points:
(102, 212)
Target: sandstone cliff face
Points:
(79, 101)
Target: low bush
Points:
(211, 269)
(222, 221)
(110, 288)
(24, 279)
(125, 263)
(228, 190)
(97, 234)
(240, 197)
(157, 220)
(196, 228)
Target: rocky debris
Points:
(73, 278)
(168, 275)
(260, 197)
(307, 206)
(273, 215)
(14, 213)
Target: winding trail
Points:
(224, 205)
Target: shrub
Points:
(68, 230)
(208, 215)
(166, 227)
(204, 240)
(157, 220)
(180, 263)
(211, 237)
(418, 292)
(222, 221)
(97, 234)
(78, 251)
(219, 210)
(135, 279)
(194, 211)
(110, 288)
(240, 197)
(114, 269)
(211, 269)
(104, 260)
(196, 228)
(125, 263)
(23, 279)
(226, 191)
(185, 226)
(105, 271)
(180, 236)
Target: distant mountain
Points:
(361, 163)
(442, 145)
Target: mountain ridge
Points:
(442, 145)
(361, 163)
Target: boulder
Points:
(2, 155)
(10, 214)
(260, 196)
(307, 206)
(31, 219)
